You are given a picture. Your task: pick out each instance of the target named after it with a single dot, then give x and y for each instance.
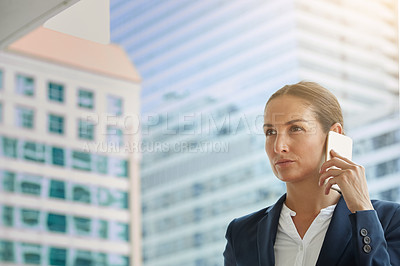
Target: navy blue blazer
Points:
(363, 238)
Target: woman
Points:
(312, 224)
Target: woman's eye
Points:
(296, 128)
(270, 132)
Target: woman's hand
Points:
(350, 178)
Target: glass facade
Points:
(24, 117)
(55, 92)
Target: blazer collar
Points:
(266, 233)
(335, 242)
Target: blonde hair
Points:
(324, 104)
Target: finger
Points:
(328, 174)
(335, 161)
(329, 184)
(336, 154)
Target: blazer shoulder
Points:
(248, 222)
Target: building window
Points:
(104, 197)
(31, 184)
(81, 193)
(10, 147)
(24, 117)
(7, 251)
(101, 259)
(115, 136)
(30, 218)
(25, 85)
(101, 164)
(83, 258)
(119, 167)
(8, 216)
(56, 92)
(85, 99)
(82, 226)
(34, 152)
(57, 256)
(57, 223)
(57, 156)
(86, 129)
(119, 231)
(57, 189)
(31, 253)
(56, 124)
(114, 105)
(81, 160)
(103, 229)
(8, 181)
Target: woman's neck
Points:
(307, 198)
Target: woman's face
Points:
(294, 140)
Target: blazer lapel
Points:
(266, 233)
(337, 236)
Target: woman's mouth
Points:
(284, 163)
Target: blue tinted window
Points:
(56, 124)
(25, 85)
(24, 117)
(84, 258)
(10, 147)
(7, 251)
(31, 253)
(81, 160)
(82, 225)
(57, 256)
(8, 181)
(30, 217)
(57, 189)
(56, 223)
(8, 216)
(34, 152)
(81, 194)
(86, 130)
(85, 99)
(57, 156)
(56, 92)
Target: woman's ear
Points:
(337, 127)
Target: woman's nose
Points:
(281, 143)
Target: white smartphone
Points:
(341, 144)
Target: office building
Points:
(208, 68)
(69, 192)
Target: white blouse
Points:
(290, 249)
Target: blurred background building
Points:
(208, 68)
(69, 192)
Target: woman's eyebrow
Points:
(287, 123)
